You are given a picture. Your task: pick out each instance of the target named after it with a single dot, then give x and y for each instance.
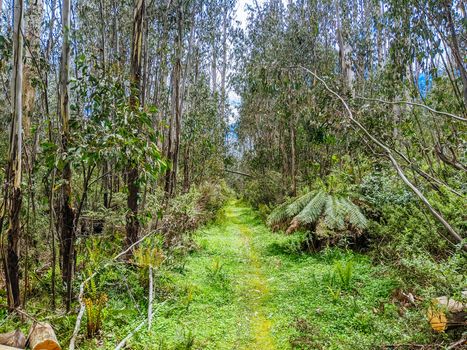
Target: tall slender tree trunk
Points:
(344, 53)
(186, 168)
(45, 96)
(214, 64)
(33, 30)
(30, 74)
(224, 61)
(67, 212)
(379, 34)
(293, 166)
(103, 44)
(171, 177)
(132, 222)
(145, 63)
(454, 43)
(13, 195)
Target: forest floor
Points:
(242, 286)
(246, 287)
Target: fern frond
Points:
(279, 214)
(297, 205)
(334, 213)
(313, 209)
(354, 215)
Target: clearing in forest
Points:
(245, 287)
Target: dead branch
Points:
(83, 284)
(238, 173)
(122, 344)
(453, 234)
(413, 104)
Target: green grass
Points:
(245, 287)
(252, 289)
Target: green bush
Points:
(266, 189)
(188, 211)
(403, 233)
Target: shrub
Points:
(188, 211)
(265, 189)
(404, 234)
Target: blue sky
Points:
(241, 15)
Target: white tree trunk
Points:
(12, 201)
(151, 297)
(33, 30)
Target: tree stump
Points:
(42, 337)
(14, 339)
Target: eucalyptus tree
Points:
(67, 211)
(132, 222)
(13, 194)
(32, 77)
(173, 146)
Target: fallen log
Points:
(15, 339)
(6, 347)
(42, 337)
(445, 313)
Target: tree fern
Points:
(313, 209)
(279, 214)
(354, 216)
(334, 212)
(297, 206)
(334, 216)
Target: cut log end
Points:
(47, 345)
(42, 337)
(445, 313)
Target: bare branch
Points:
(83, 284)
(453, 234)
(413, 104)
(238, 172)
(122, 344)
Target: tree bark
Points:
(13, 194)
(67, 212)
(224, 61)
(456, 50)
(132, 222)
(344, 53)
(174, 145)
(151, 297)
(33, 30)
(293, 168)
(186, 168)
(15, 339)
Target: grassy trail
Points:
(245, 287)
(256, 288)
(228, 288)
(228, 272)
